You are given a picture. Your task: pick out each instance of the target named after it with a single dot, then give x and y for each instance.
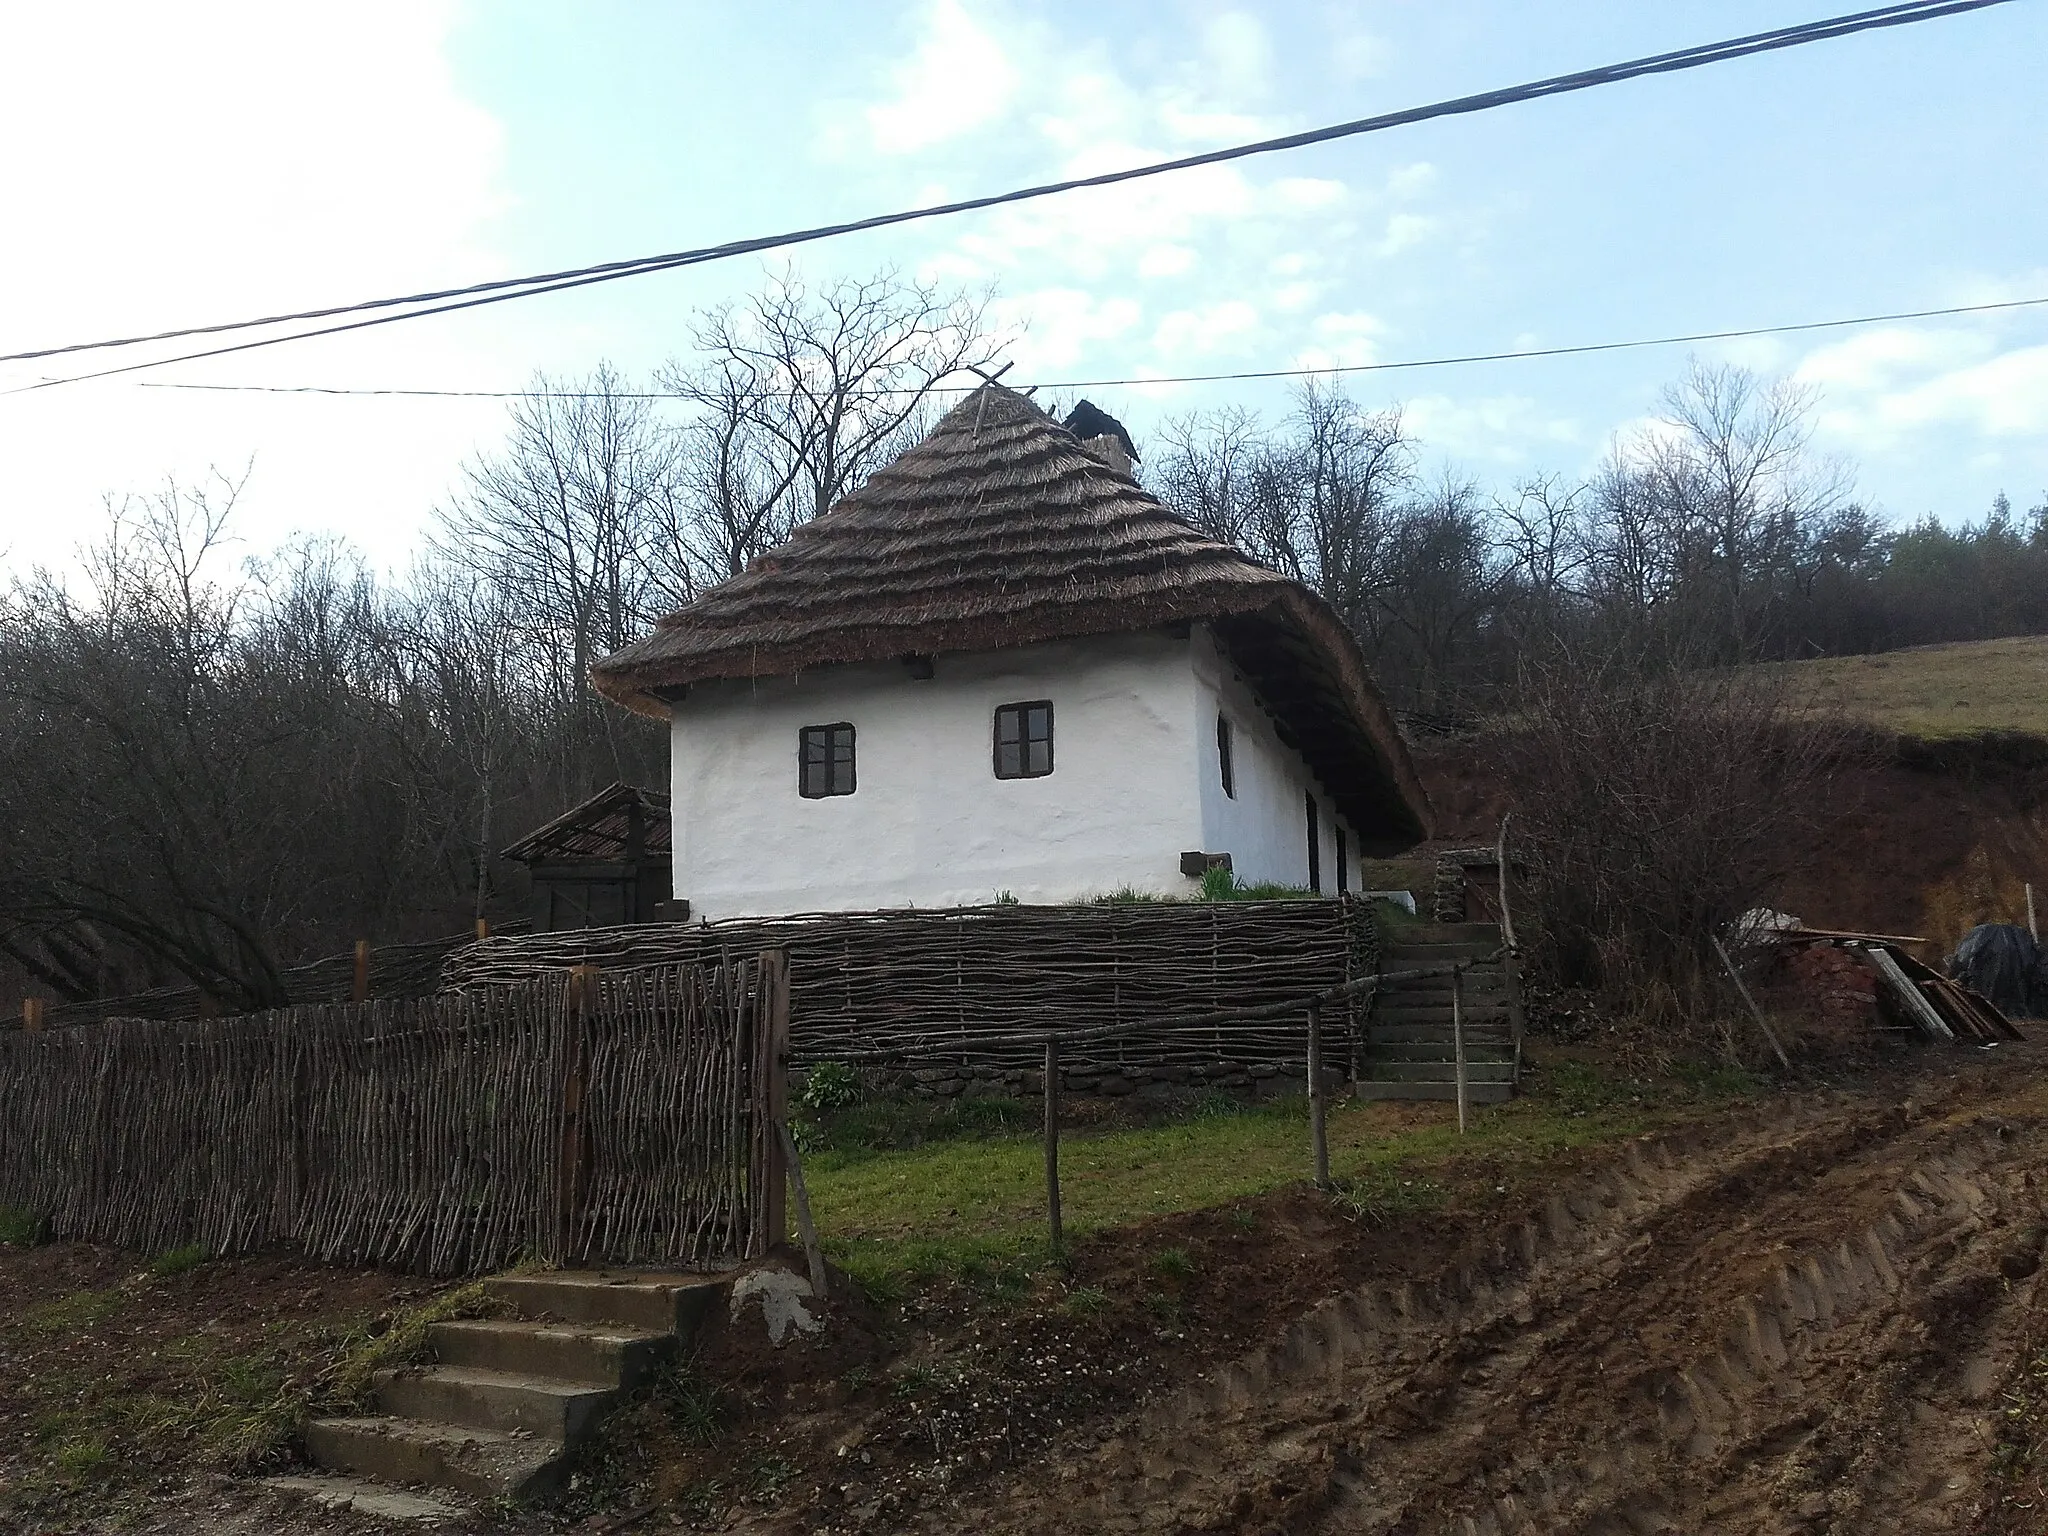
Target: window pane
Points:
(1023, 740)
(825, 761)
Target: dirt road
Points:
(1795, 1320)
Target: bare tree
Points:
(798, 394)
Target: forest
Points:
(215, 764)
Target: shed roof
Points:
(1001, 528)
(600, 830)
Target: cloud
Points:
(1884, 390)
(1058, 326)
(187, 164)
(1225, 328)
(1505, 430)
(960, 78)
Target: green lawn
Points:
(912, 1213)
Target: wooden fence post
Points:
(771, 1094)
(575, 1083)
(1458, 1038)
(32, 1014)
(1317, 1129)
(2031, 926)
(359, 989)
(483, 928)
(1052, 1143)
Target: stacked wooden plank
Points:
(1940, 1008)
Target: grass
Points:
(20, 1228)
(1936, 691)
(177, 1261)
(405, 1342)
(894, 1219)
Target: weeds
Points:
(1173, 1265)
(178, 1261)
(74, 1313)
(405, 1341)
(23, 1228)
(1085, 1301)
(1381, 1196)
(693, 1406)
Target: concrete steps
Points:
(1411, 1049)
(505, 1401)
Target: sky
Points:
(215, 160)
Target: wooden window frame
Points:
(1022, 710)
(829, 733)
(1226, 763)
(1315, 845)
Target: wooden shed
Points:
(602, 863)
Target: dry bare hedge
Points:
(1654, 806)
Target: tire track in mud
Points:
(1613, 1364)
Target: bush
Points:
(828, 1086)
(1654, 806)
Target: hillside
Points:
(1936, 691)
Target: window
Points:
(1315, 848)
(1343, 864)
(1024, 740)
(824, 761)
(1223, 763)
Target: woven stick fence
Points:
(970, 984)
(396, 971)
(429, 1135)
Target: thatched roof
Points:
(1001, 529)
(618, 823)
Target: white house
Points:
(1001, 667)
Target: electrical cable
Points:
(505, 289)
(1578, 349)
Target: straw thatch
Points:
(1002, 529)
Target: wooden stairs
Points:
(1410, 1052)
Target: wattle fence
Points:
(623, 1118)
(947, 984)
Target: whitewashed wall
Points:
(1264, 828)
(930, 824)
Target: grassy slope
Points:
(1933, 691)
(910, 1213)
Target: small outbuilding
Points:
(1002, 668)
(601, 863)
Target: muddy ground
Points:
(1818, 1313)
(1810, 1311)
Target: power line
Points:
(1578, 349)
(505, 289)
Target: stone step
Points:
(1394, 957)
(1440, 1050)
(1474, 1015)
(1439, 997)
(659, 1303)
(599, 1355)
(1475, 1093)
(1445, 933)
(483, 1463)
(562, 1411)
(360, 1496)
(1439, 1071)
(1491, 1034)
